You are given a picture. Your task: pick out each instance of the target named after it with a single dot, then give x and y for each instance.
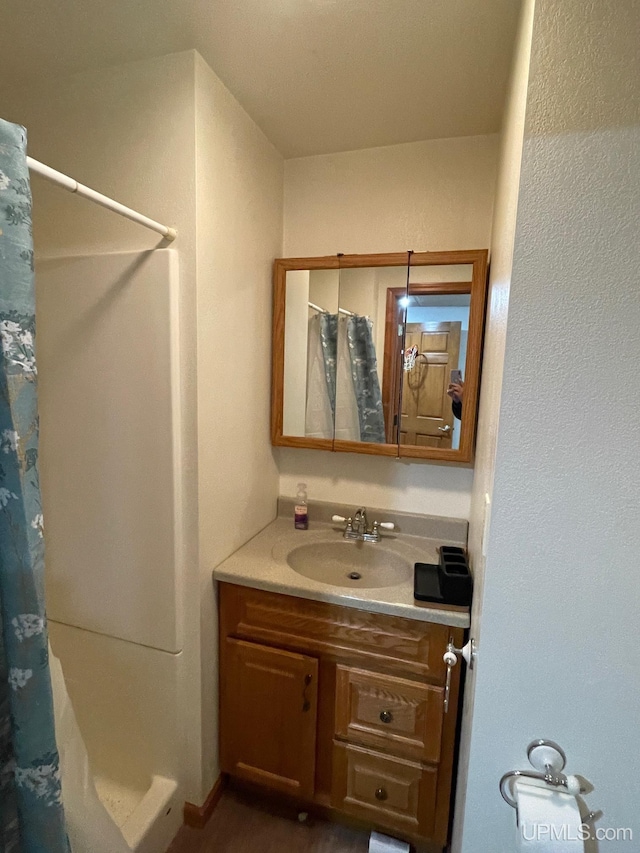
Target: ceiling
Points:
(317, 76)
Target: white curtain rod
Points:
(86, 192)
(324, 310)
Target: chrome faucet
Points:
(358, 527)
(360, 522)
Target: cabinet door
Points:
(268, 705)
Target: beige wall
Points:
(434, 195)
(424, 196)
(239, 231)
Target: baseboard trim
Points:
(197, 816)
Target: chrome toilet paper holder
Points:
(548, 760)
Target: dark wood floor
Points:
(240, 824)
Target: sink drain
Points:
(354, 576)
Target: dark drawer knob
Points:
(386, 716)
(381, 794)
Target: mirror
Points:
(365, 348)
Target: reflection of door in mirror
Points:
(427, 416)
(437, 323)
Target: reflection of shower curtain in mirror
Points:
(347, 420)
(321, 376)
(343, 390)
(364, 373)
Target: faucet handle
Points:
(348, 526)
(387, 525)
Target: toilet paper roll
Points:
(548, 820)
(379, 843)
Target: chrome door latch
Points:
(450, 657)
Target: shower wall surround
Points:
(110, 417)
(110, 420)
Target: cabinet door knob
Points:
(381, 794)
(386, 716)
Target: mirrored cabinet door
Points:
(378, 354)
(361, 412)
(436, 330)
(311, 306)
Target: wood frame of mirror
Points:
(478, 258)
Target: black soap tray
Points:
(447, 582)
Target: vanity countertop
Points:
(262, 564)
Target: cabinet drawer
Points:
(373, 640)
(396, 714)
(387, 791)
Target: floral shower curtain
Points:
(31, 812)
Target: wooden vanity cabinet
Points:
(341, 708)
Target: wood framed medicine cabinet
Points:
(341, 327)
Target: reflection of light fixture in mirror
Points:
(404, 302)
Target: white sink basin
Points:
(366, 565)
